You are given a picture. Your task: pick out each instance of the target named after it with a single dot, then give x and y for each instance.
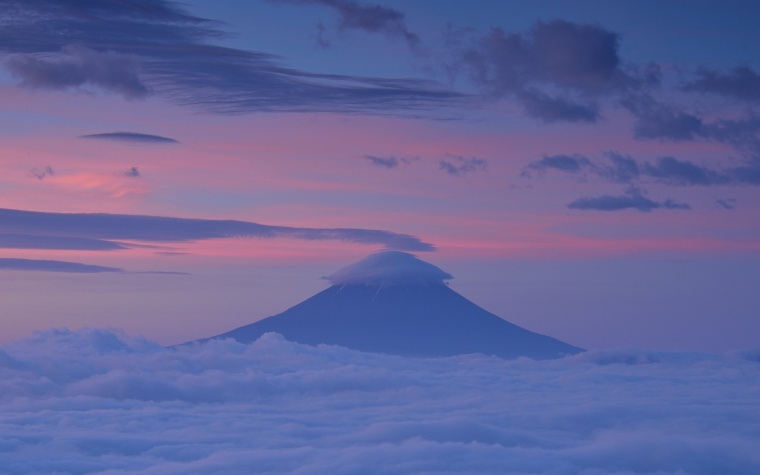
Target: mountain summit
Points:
(392, 302)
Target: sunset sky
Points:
(585, 169)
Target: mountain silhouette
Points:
(393, 303)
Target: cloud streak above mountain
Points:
(99, 231)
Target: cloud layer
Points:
(95, 401)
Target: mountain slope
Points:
(424, 319)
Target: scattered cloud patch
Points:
(99, 401)
(109, 227)
(131, 137)
(41, 173)
(742, 83)
(368, 18)
(389, 162)
(459, 166)
(132, 172)
(556, 109)
(727, 203)
(53, 266)
(673, 171)
(564, 163)
(632, 199)
(77, 66)
(664, 170)
(557, 71)
(655, 120)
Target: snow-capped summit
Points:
(392, 302)
(389, 268)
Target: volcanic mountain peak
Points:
(391, 302)
(386, 268)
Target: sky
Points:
(588, 170)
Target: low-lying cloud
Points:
(97, 401)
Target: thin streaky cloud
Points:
(107, 227)
(132, 137)
(56, 242)
(153, 47)
(632, 199)
(53, 266)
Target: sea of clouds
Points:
(97, 401)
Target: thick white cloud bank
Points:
(98, 402)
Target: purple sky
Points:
(584, 169)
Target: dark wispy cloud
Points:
(564, 163)
(10, 240)
(78, 66)
(41, 173)
(459, 166)
(389, 162)
(155, 47)
(556, 109)
(664, 170)
(742, 83)
(557, 70)
(369, 18)
(727, 203)
(132, 137)
(632, 199)
(680, 172)
(655, 120)
(53, 266)
(75, 227)
(132, 172)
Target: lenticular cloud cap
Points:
(389, 268)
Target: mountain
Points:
(393, 303)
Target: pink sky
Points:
(498, 204)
